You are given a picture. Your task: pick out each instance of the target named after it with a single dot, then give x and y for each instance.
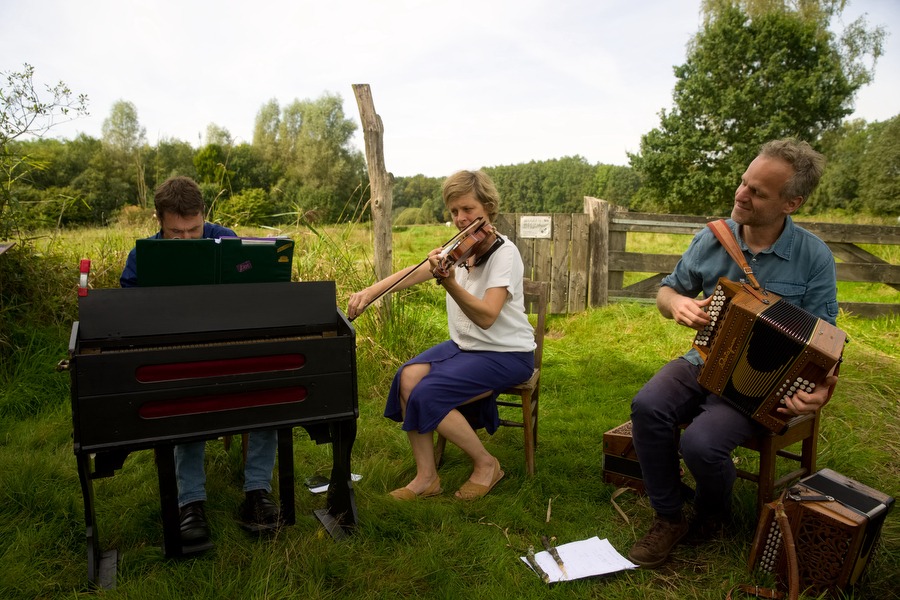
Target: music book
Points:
(207, 261)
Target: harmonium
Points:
(835, 522)
(152, 367)
(759, 348)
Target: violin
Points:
(462, 246)
(456, 252)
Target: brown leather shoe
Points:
(653, 549)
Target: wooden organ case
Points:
(158, 366)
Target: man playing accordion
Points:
(786, 260)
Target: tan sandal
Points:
(405, 493)
(473, 491)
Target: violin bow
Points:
(473, 225)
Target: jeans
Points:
(191, 475)
(673, 397)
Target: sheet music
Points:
(586, 558)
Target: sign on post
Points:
(531, 226)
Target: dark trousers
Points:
(673, 397)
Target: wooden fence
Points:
(584, 256)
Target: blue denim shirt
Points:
(129, 274)
(799, 267)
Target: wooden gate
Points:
(584, 256)
(562, 257)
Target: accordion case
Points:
(620, 462)
(835, 522)
(759, 348)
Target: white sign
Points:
(534, 227)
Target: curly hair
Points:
(807, 163)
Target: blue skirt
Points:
(457, 376)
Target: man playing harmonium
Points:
(180, 211)
(786, 260)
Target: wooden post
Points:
(380, 183)
(598, 211)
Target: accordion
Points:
(835, 522)
(759, 348)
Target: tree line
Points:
(756, 70)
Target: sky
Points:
(459, 84)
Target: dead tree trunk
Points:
(380, 184)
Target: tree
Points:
(24, 111)
(124, 139)
(169, 157)
(879, 187)
(209, 162)
(746, 81)
(845, 149)
(309, 142)
(218, 135)
(622, 184)
(265, 132)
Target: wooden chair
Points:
(537, 294)
(770, 446)
(803, 429)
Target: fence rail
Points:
(585, 256)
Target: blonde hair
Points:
(473, 182)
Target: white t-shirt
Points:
(511, 332)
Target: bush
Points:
(135, 216)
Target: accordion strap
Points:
(726, 237)
(793, 565)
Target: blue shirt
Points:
(799, 267)
(129, 274)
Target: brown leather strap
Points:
(726, 237)
(790, 549)
(793, 564)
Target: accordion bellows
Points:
(759, 348)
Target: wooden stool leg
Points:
(766, 483)
(529, 428)
(439, 448)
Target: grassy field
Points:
(437, 548)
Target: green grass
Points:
(438, 548)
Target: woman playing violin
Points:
(491, 343)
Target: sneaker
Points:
(259, 509)
(194, 529)
(653, 549)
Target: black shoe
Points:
(259, 510)
(194, 529)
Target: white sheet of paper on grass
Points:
(586, 558)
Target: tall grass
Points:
(438, 548)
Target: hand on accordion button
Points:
(802, 402)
